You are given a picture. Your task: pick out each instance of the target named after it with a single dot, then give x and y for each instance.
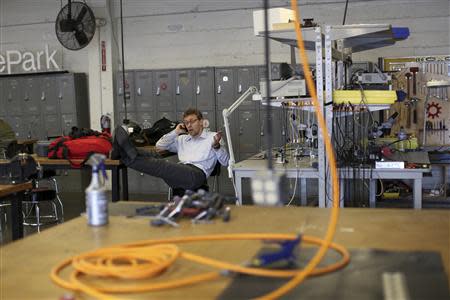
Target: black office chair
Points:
(39, 195)
(180, 192)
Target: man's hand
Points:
(180, 129)
(217, 138)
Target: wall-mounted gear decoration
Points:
(433, 110)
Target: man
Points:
(198, 152)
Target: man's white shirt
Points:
(196, 150)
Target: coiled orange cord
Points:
(149, 258)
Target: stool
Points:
(3, 219)
(40, 195)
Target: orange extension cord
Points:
(147, 259)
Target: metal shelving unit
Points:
(335, 43)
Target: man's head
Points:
(193, 120)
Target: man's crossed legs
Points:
(176, 175)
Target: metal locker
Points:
(67, 122)
(184, 89)
(16, 124)
(12, 92)
(171, 115)
(224, 79)
(211, 117)
(129, 95)
(278, 128)
(163, 90)
(204, 89)
(32, 127)
(248, 131)
(245, 78)
(132, 116)
(52, 125)
(48, 95)
(30, 96)
(233, 120)
(143, 91)
(66, 94)
(2, 98)
(146, 119)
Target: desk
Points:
(114, 165)
(302, 170)
(7, 190)
(373, 175)
(30, 260)
(110, 164)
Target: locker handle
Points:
(43, 96)
(240, 88)
(219, 89)
(26, 98)
(139, 92)
(178, 90)
(158, 91)
(198, 89)
(60, 96)
(261, 132)
(120, 91)
(241, 130)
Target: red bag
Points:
(69, 148)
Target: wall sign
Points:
(14, 61)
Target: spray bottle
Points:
(96, 200)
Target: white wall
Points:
(194, 33)
(181, 33)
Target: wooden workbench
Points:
(118, 170)
(26, 263)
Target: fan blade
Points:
(69, 10)
(82, 14)
(81, 38)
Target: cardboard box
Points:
(276, 15)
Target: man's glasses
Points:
(189, 122)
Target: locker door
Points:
(66, 94)
(52, 125)
(12, 93)
(248, 132)
(146, 119)
(48, 95)
(246, 78)
(233, 131)
(171, 115)
(224, 87)
(32, 127)
(184, 89)
(132, 116)
(143, 91)
(16, 125)
(211, 117)
(204, 89)
(129, 95)
(67, 122)
(30, 96)
(163, 90)
(2, 97)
